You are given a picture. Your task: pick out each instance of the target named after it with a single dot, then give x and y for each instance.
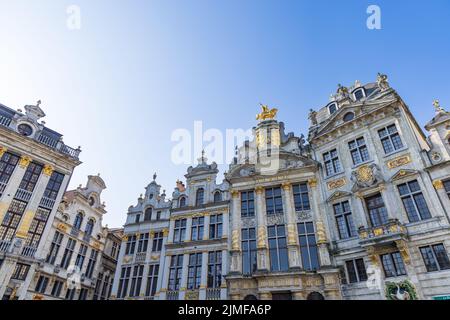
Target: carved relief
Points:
(292, 239)
(303, 215)
(366, 176)
(24, 161)
(275, 219)
(336, 183)
(261, 237)
(235, 240)
(398, 162)
(248, 222)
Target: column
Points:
(188, 230)
(171, 227)
(236, 265)
(13, 184)
(7, 269)
(39, 189)
(225, 224)
(223, 286)
(262, 244)
(322, 237)
(291, 226)
(22, 292)
(163, 263)
(206, 226)
(164, 276)
(204, 278)
(184, 277)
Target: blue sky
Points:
(138, 70)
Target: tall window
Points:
(214, 269)
(158, 215)
(41, 284)
(447, 187)
(37, 227)
(278, 248)
(136, 280)
(308, 246)
(217, 196)
(31, 176)
(356, 271)
(157, 241)
(20, 271)
(114, 249)
(54, 247)
(435, 257)
(83, 294)
(89, 227)
(414, 201)
(53, 185)
(176, 267)
(123, 282)
(390, 139)
(70, 294)
(7, 164)
(182, 202)
(68, 252)
(12, 219)
(344, 221)
(148, 214)
(358, 150)
(91, 264)
(130, 245)
(215, 226)
(152, 280)
(393, 264)
(199, 197)
(274, 202)
(56, 290)
(301, 197)
(194, 271)
(78, 221)
(247, 204)
(197, 228)
(377, 211)
(143, 242)
(81, 256)
(179, 231)
(332, 108)
(248, 251)
(332, 163)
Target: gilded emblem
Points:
(364, 174)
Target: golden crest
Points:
(364, 174)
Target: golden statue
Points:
(266, 113)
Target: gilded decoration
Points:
(261, 140)
(24, 161)
(438, 184)
(48, 170)
(321, 235)
(261, 237)
(312, 182)
(336, 183)
(266, 114)
(235, 240)
(364, 174)
(399, 161)
(259, 190)
(2, 151)
(61, 227)
(165, 232)
(292, 238)
(286, 186)
(234, 193)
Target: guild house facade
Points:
(357, 210)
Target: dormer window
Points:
(199, 198)
(25, 129)
(150, 196)
(217, 196)
(359, 94)
(182, 202)
(332, 108)
(148, 214)
(349, 116)
(91, 201)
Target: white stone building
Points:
(140, 266)
(35, 168)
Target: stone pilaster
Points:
(291, 229)
(206, 226)
(164, 276)
(188, 230)
(236, 265)
(204, 276)
(261, 241)
(184, 277)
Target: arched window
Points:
(78, 221)
(315, 296)
(182, 202)
(89, 227)
(148, 214)
(250, 297)
(332, 108)
(217, 196)
(199, 197)
(349, 116)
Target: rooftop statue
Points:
(266, 114)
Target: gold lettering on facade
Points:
(398, 162)
(336, 183)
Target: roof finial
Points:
(38, 103)
(154, 176)
(437, 106)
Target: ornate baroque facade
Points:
(361, 211)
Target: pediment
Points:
(338, 195)
(402, 173)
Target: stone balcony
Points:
(382, 235)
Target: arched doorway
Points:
(250, 297)
(315, 296)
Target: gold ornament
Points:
(266, 114)
(364, 174)
(400, 161)
(24, 161)
(48, 170)
(438, 184)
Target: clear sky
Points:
(138, 70)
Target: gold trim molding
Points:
(399, 161)
(438, 184)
